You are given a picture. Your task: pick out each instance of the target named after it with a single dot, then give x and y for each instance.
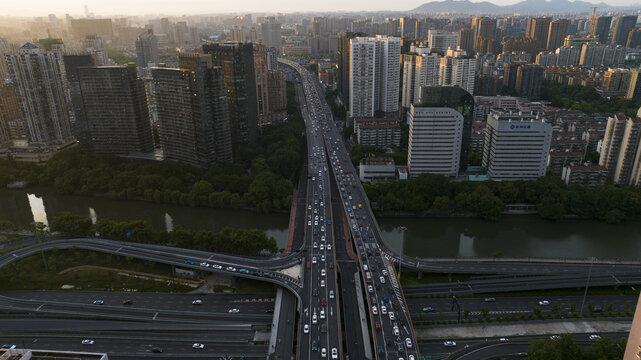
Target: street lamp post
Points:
(587, 284)
(400, 260)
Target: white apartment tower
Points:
(435, 139)
(457, 70)
(374, 76)
(621, 149)
(516, 146)
(421, 69)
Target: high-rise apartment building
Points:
(192, 112)
(83, 27)
(634, 39)
(568, 56)
(408, 27)
(260, 79)
(147, 49)
(96, 46)
(374, 76)
(419, 69)
(72, 64)
(271, 32)
(237, 63)
(620, 151)
(622, 28)
(115, 108)
(600, 28)
(516, 146)
(634, 86)
(344, 58)
(466, 39)
(277, 94)
(457, 69)
(556, 34)
(528, 80)
(602, 54)
(42, 95)
(537, 29)
(440, 131)
(484, 32)
(11, 123)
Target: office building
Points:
(271, 32)
(372, 169)
(457, 69)
(516, 146)
(537, 29)
(378, 132)
(194, 126)
(115, 109)
(147, 49)
(344, 58)
(237, 63)
(622, 28)
(419, 69)
(442, 40)
(440, 131)
(41, 94)
(620, 150)
(374, 76)
(600, 27)
(557, 33)
(466, 39)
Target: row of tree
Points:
(227, 240)
(553, 198)
(261, 177)
(585, 99)
(566, 348)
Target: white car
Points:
(204, 264)
(234, 311)
(383, 310)
(197, 302)
(323, 258)
(544, 303)
(594, 337)
(449, 343)
(322, 314)
(385, 273)
(331, 294)
(306, 329)
(198, 346)
(309, 223)
(323, 272)
(374, 310)
(322, 247)
(322, 283)
(315, 245)
(314, 260)
(408, 342)
(87, 342)
(392, 317)
(324, 352)
(396, 331)
(334, 353)
(217, 267)
(370, 289)
(314, 319)
(329, 246)
(382, 279)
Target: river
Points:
(519, 236)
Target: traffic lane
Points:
(220, 303)
(128, 347)
(619, 303)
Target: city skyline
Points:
(193, 7)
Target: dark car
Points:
(127, 302)
(314, 346)
(489, 299)
(156, 350)
(381, 351)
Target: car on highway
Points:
(314, 319)
(157, 350)
(204, 264)
(489, 299)
(323, 258)
(197, 302)
(127, 302)
(8, 346)
(324, 352)
(397, 332)
(400, 348)
(384, 310)
(408, 343)
(322, 247)
(377, 326)
(370, 288)
(189, 262)
(231, 268)
(392, 317)
(334, 353)
(323, 272)
(198, 346)
(322, 314)
(594, 337)
(428, 309)
(217, 267)
(331, 294)
(380, 350)
(234, 311)
(314, 261)
(382, 279)
(554, 337)
(315, 244)
(374, 310)
(385, 273)
(544, 303)
(322, 283)
(306, 329)
(449, 343)
(244, 271)
(308, 264)
(314, 346)
(504, 339)
(98, 302)
(329, 247)
(87, 342)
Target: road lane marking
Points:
(155, 315)
(40, 307)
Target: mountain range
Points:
(525, 6)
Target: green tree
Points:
(71, 224)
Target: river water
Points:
(519, 236)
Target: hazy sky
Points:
(130, 7)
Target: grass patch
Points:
(411, 278)
(41, 272)
(244, 285)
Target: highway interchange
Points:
(346, 300)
